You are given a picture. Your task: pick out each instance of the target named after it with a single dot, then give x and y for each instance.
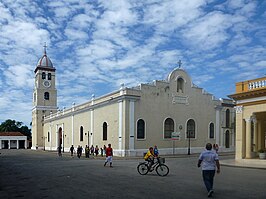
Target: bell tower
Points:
(44, 98)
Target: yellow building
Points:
(250, 107)
(174, 114)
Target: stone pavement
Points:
(42, 174)
(252, 163)
(246, 163)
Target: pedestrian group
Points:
(208, 160)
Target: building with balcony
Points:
(250, 98)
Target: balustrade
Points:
(257, 84)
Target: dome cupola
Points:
(44, 62)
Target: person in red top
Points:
(109, 155)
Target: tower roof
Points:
(44, 62)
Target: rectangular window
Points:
(43, 75)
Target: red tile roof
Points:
(11, 134)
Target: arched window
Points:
(81, 133)
(211, 130)
(191, 128)
(169, 127)
(180, 85)
(227, 118)
(104, 131)
(43, 75)
(140, 129)
(46, 96)
(49, 76)
(48, 136)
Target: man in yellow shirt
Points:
(149, 156)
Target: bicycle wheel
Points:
(143, 168)
(162, 170)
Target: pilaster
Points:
(255, 136)
(218, 124)
(131, 125)
(248, 138)
(240, 133)
(259, 134)
(120, 127)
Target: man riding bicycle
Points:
(159, 166)
(149, 156)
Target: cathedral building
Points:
(174, 114)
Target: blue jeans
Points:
(208, 176)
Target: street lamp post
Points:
(88, 138)
(64, 142)
(188, 134)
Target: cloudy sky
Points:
(97, 45)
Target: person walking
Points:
(209, 160)
(216, 148)
(72, 151)
(101, 151)
(96, 150)
(92, 150)
(87, 152)
(109, 155)
(104, 150)
(59, 150)
(79, 151)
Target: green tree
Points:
(15, 126)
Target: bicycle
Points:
(159, 166)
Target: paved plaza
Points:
(42, 174)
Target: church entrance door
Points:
(227, 139)
(60, 137)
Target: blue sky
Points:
(97, 45)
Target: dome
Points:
(45, 62)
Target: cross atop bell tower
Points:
(44, 48)
(179, 63)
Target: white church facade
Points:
(173, 114)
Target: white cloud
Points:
(19, 76)
(118, 12)
(21, 35)
(239, 40)
(235, 4)
(73, 34)
(261, 65)
(199, 80)
(169, 15)
(209, 31)
(95, 46)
